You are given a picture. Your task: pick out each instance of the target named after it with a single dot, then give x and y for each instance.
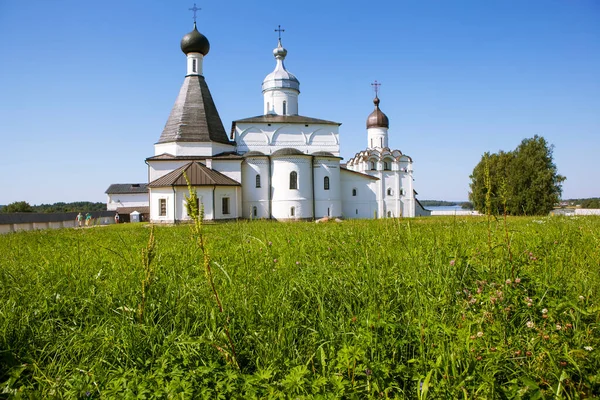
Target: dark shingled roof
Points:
(129, 210)
(288, 151)
(359, 173)
(127, 188)
(221, 156)
(324, 154)
(254, 153)
(198, 174)
(194, 117)
(285, 119)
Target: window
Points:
(390, 192)
(284, 107)
(254, 211)
(371, 142)
(328, 212)
(225, 205)
(357, 211)
(257, 181)
(381, 142)
(194, 65)
(386, 165)
(373, 166)
(162, 207)
(389, 214)
(293, 212)
(293, 180)
(268, 107)
(353, 192)
(326, 183)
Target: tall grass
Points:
(389, 308)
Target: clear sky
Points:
(86, 87)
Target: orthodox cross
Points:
(194, 9)
(376, 87)
(279, 30)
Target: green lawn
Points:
(431, 307)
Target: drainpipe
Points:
(270, 188)
(214, 204)
(312, 167)
(174, 205)
(148, 189)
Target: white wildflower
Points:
(530, 324)
(588, 348)
(479, 334)
(545, 311)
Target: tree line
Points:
(60, 207)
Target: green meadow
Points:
(423, 308)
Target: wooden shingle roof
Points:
(194, 117)
(198, 174)
(127, 188)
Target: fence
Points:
(15, 222)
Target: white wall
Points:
(273, 101)
(327, 202)
(251, 195)
(284, 198)
(191, 148)
(268, 139)
(157, 169)
(364, 204)
(126, 200)
(229, 168)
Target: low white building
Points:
(277, 165)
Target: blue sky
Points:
(86, 87)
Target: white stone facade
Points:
(278, 165)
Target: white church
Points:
(278, 165)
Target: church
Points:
(278, 165)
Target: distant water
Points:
(445, 208)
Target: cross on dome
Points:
(376, 87)
(279, 30)
(194, 9)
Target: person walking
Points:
(79, 219)
(88, 219)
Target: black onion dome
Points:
(377, 119)
(195, 42)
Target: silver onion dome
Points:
(280, 78)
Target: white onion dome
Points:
(195, 42)
(377, 119)
(280, 78)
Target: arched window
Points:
(381, 141)
(390, 192)
(371, 142)
(328, 212)
(326, 183)
(373, 166)
(254, 211)
(194, 65)
(386, 165)
(293, 180)
(389, 214)
(292, 211)
(284, 107)
(257, 181)
(353, 192)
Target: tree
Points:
(522, 182)
(17, 206)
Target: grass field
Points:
(423, 308)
